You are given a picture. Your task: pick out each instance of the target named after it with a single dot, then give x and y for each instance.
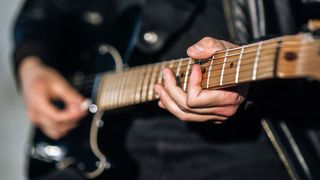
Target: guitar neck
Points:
(226, 68)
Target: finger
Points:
(54, 129)
(46, 107)
(175, 92)
(161, 105)
(68, 95)
(199, 98)
(205, 48)
(168, 103)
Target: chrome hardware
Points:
(48, 153)
(151, 37)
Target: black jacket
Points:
(68, 36)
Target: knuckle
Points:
(207, 39)
(184, 118)
(230, 111)
(192, 102)
(183, 108)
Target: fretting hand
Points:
(199, 104)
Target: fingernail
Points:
(197, 48)
(157, 90)
(164, 75)
(85, 104)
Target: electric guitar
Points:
(296, 56)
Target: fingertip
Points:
(157, 89)
(161, 105)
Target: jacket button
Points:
(92, 17)
(150, 37)
(103, 49)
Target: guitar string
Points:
(210, 59)
(116, 103)
(261, 61)
(115, 87)
(244, 59)
(213, 69)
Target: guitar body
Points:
(75, 149)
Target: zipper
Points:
(278, 149)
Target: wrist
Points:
(28, 64)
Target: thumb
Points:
(66, 93)
(205, 48)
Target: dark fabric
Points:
(66, 37)
(68, 174)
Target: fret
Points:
(179, 67)
(209, 72)
(138, 92)
(122, 89)
(171, 64)
(239, 64)
(103, 93)
(187, 75)
(133, 81)
(266, 64)
(163, 65)
(146, 83)
(117, 88)
(155, 72)
(256, 61)
(129, 87)
(223, 66)
(107, 90)
(247, 63)
(112, 88)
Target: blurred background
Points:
(14, 128)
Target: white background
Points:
(14, 128)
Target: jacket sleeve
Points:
(36, 32)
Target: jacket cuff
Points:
(30, 48)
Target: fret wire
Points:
(101, 92)
(163, 64)
(152, 81)
(139, 84)
(171, 63)
(133, 85)
(117, 85)
(223, 67)
(239, 64)
(145, 84)
(128, 87)
(179, 66)
(255, 66)
(209, 73)
(108, 81)
(122, 87)
(110, 86)
(187, 74)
